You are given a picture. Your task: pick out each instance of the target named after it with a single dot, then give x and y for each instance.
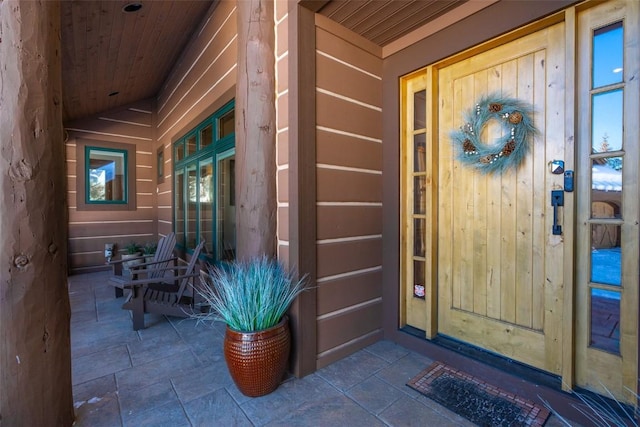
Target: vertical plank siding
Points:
(90, 230)
(349, 192)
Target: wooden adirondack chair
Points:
(150, 270)
(171, 294)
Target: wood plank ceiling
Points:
(383, 21)
(106, 50)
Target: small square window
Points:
(106, 175)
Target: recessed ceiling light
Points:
(114, 93)
(132, 7)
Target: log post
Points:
(255, 130)
(35, 353)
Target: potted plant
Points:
(252, 297)
(133, 252)
(148, 250)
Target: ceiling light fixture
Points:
(132, 7)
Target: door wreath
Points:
(508, 151)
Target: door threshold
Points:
(505, 364)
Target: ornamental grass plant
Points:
(251, 295)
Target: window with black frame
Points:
(204, 205)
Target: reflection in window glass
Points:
(206, 203)
(606, 187)
(419, 194)
(607, 55)
(226, 229)
(606, 254)
(419, 279)
(606, 118)
(190, 145)
(106, 175)
(605, 320)
(179, 151)
(192, 189)
(179, 202)
(226, 124)
(419, 154)
(420, 110)
(419, 236)
(206, 136)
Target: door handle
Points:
(557, 200)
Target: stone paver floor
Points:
(173, 374)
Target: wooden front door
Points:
(500, 267)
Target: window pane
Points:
(419, 190)
(419, 110)
(106, 175)
(160, 165)
(418, 279)
(607, 55)
(226, 227)
(605, 320)
(190, 145)
(179, 151)
(419, 227)
(179, 207)
(206, 204)
(606, 120)
(419, 153)
(226, 124)
(606, 254)
(206, 136)
(192, 188)
(606, 187)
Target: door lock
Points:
(557, 200)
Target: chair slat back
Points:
(190, 269)
(164, 252)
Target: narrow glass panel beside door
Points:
(605, 320)
(606, 134)
(607, 55)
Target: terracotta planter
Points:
(257, 360)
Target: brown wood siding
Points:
(200, 83)
(349, 192)
(90, 230)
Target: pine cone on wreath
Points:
(509, 147)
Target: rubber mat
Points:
(476, 400)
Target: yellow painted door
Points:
(607, 234)
(500, 269)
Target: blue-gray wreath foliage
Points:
(510, 149)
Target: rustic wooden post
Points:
(35, 353)
(255, 130)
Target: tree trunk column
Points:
(255, 130)
(35, 354)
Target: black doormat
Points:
(477, 401)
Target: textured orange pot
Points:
(257, 360)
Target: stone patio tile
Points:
(135, 401)
(217, 408)
(387, 350)
(352, 370)
(99, 412)
(374, 395)
(201, 381)
(335, 411)
(112, 310)
(287, 398)
(152, 349)
(100, 336)
(404, 369)
(169, 415)
(169, 367)
(409, 412)
(84, 316)
(157, 326)
(458, 419)
(99, 364)
(98, 387)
